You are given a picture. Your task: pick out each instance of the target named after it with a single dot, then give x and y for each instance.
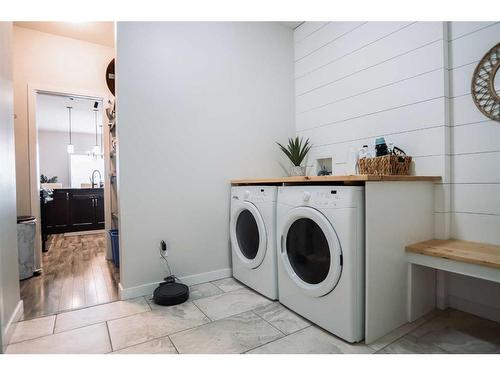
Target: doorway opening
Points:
(71, 203)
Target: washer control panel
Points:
(258, 196)
(255, 194)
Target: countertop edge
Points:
(346, 178)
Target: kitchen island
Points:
(72, 210)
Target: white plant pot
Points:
(297, 170)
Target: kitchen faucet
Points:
(93, 175)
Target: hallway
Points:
(76, 274)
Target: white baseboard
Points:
(474, 308)
(145, 289)
(11, 324)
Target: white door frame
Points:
(34, 170)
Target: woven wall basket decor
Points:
(485, 85)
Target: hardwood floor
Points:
(75, 274)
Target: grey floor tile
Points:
(158, 346)
(139, 328)
(100, 313)
(203, 290)
(458, 332)
(282, 318)
(232, 303)
(311, 340)
(235, 334)
(228, 285)
(31, 329)
(456, 341)
(411, 345)
(87, 340)
(403, 330)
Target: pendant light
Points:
(96, 149)
(70, 147)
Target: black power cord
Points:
(170, 278)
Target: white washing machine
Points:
(253, 238)
(320, 240)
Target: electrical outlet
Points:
(163, 248)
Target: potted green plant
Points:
(44, 179)
(296, 151)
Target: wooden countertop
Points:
(463, 251)
(348, 178)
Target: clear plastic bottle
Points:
(364, 152)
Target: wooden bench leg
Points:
(441, 289)
(421, 291)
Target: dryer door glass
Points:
(308, 251)
(247, 234)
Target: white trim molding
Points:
(474, 308)
(146, 289)
(34, 88)
(11, 324)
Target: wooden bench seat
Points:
(427, 287)
(463, 251)
(468, 258)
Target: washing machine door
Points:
(248, 235)
(310, 251)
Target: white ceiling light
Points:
(96, 150)
(70, 147)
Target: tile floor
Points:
(226, 317)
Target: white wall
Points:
(9, 275)
(198, 105)
(59, 62)
(53, 155)
(475, 150)
(406, 82)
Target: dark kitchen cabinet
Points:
(99, 209)
(72, 210)
(82, 211)
(55, 213)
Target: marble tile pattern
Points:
(225, 317)
(139, 328)
(203, 290)
(411, 345)
(282, 318)
(311, 340)
(228, 285)
(87, 340)
(402, 331)
(231, 303)
(157, 346)
(232, 335)
(101, 313)
(31, 329)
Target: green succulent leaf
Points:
(296, 150)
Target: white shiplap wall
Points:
(408, 82)
(355, 81)
(475, 163)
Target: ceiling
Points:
(93, 32)
(52, 114)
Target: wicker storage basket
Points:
(385, 165)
